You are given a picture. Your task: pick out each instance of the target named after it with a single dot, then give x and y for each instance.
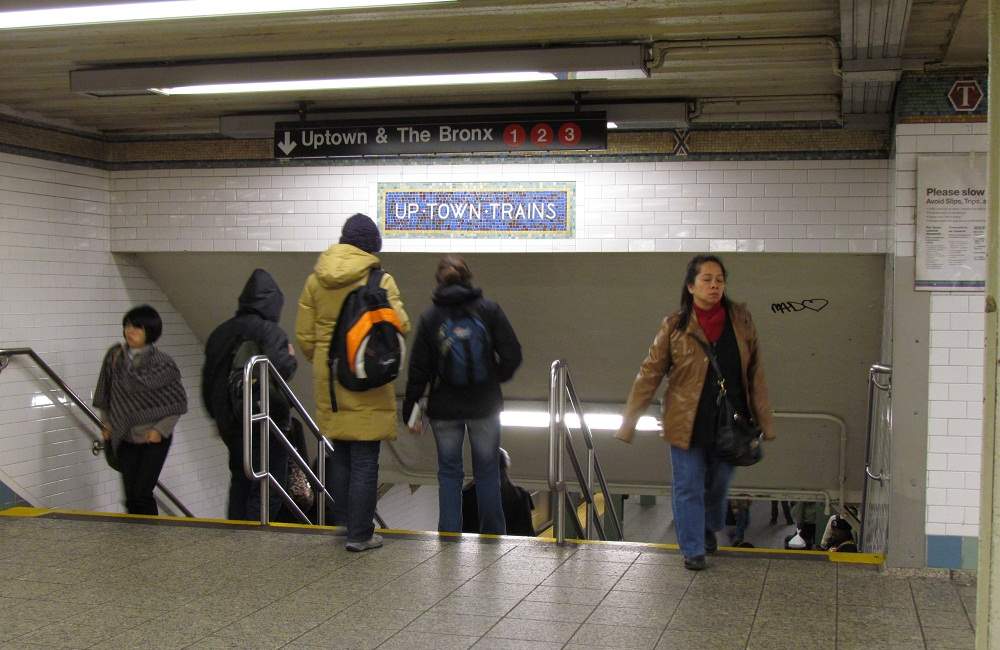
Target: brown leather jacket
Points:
(676, 356)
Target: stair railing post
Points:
(265, 440)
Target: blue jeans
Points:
(484, 436)
(701, 483)
(353, 474)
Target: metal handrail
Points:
(265, 370)
(561, 441)
(98, 446)
(873, 385)
(842, 449)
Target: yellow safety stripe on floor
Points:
(24, 511)
(831, 556)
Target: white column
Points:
(988, 607)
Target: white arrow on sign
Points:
(287, 146)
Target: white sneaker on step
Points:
(374, 542)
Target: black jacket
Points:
(517, 507)
(706, 418)
(460, 403)
(257, 320)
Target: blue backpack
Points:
(465, 350)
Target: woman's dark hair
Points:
(452, 269)
(687, 300)
(147, 319)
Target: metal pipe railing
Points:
(98, 446)
(842, 450)
(265, 371)
(561, 441)
(588, 439)
(873, 385)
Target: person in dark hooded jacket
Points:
(472, 405)
(256, 320)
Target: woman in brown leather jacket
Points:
(700, 480)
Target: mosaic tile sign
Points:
(477, 209)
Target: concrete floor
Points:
(103, 583)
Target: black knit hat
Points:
(362, 232)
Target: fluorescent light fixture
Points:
(612, 125)
(180, 9)
(358, 71)
(364, 82)
(596, 421)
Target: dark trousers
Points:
(140, 467)
(244, 494)
(352, 471)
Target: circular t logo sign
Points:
(965, 95)
(514, 135)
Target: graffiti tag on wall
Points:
(792, 306)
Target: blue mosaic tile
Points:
(477, 209)
(926, 95)
(944, 551)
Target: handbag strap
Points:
(723, 393)
(710, 353)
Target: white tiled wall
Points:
(835, 206)
(63, 293)
(955, 414)
(955, 391)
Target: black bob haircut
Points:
(147, 319)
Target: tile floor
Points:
(95, 583)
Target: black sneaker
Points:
(696, 563)
(711, 544)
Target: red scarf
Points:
(712, 321)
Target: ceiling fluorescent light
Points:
(360, 71)
(366, 82)
(612, 125)
(180, 9)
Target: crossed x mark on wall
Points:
(681, 146)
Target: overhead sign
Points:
(965, 95)
(951, 223)
(477, 209)
(504, 133)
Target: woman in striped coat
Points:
(141, 398)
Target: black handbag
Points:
(109, 453)
(737, 440)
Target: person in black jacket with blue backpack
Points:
(464, 349)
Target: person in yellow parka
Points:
(363, 418)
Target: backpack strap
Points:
(375, 277)
(373, 282)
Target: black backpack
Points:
(367, 346)
(280, 409)
(465, 349)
